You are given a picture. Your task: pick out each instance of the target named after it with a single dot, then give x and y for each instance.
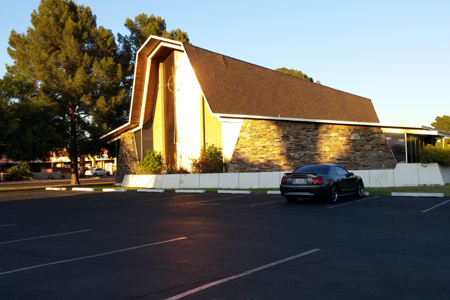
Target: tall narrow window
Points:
(398, 145)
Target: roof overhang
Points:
(391, 128)
(423, 130)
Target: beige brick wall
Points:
(211, 127)
(158, 119)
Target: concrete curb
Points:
(83, 189)
(55, 189)
(190, 191)
(233, 192)
(427, 195)
(115, 190)
(273, 193)
(151, 190)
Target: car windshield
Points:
(318, 169)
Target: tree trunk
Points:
(73, 153)
(82, 166)
(74, 172)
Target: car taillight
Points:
(317, 180)
(283, 180)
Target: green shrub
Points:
(151, 164)
(19, 172)
(209, 161)
(435, 154)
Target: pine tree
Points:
(71, 63)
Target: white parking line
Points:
(267, 203)
(44, 236)
(427, 210)
(90, 256)
(206, 286)
(348, 203)
(172, 197)
(217, 199)
(6, 225)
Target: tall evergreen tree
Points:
(295, 73)
(442, 123)
(71, 62)
(29, 128)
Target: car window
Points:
(332, 171)
(319, 169)
(341, 171)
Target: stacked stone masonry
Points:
(127, 160)
(265, 146)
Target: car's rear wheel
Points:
(95, 174)
(360, 189)
(291, 199)
(107, 174)
(334, 194)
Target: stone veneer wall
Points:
(265, 146)
(127, 159)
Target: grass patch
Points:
(386, 191)
(97, 186)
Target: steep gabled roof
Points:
(235, 87)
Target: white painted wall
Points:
(403, 175)
(445, 173)
(187, 111)
(230, 134)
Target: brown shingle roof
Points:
(235, 87)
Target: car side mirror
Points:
(350, 174)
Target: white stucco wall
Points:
(187, 111)
(230, 135)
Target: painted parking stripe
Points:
(44, 236)
(206, 286)
(6, 225)
(431, 208)
(90, 256)
(348, 203)
(211, 200)
(155, 199)
(267, 203)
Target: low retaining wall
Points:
(215, 180)
(402, 175)
(406, 175)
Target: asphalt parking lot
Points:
(97, 245)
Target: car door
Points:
(347, 181)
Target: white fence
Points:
(402, 175)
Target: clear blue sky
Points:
(395, 52)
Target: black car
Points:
(321, 180)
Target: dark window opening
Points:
(397, 143)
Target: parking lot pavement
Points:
(94, 245)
